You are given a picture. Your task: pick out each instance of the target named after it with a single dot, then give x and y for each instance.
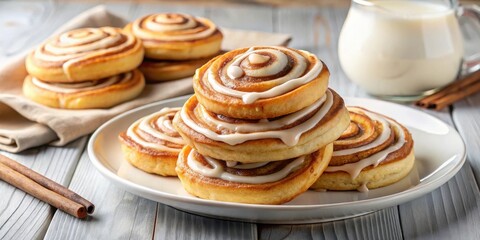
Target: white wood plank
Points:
(143, 9)
(23, 216)
(451, 212)
(383, 224)
(118, 214)
(18, 20)
(122, 9)
(298, 22)
(466, 115)
(190, 226)
(53, 16)
(247, 17)
(454, 209)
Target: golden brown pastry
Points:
(152, 144)
(85, 54)
(247, 141)
(166, 70)
(261, 82)
(257, 183)
(175, 36)
(103, 93)
(373, 152)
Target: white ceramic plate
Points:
(439, 152)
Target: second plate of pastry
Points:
(264, 139)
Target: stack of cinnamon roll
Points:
(85, 68)
(175, 44)
(260, 126)
(97, 67)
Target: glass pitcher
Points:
(402, 49)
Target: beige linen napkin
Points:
(25, 124)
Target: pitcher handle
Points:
(471, 63)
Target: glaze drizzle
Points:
(355, 168)
(263, 129)
(173, 27)
(156, 131)
(284, 68)
(83, 86)
(217, 170)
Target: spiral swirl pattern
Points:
(288, 128)
(172, 27)
(83, 86)
(252, 173)
(370, 140)
(82, 45)
(156, 132)
(262, 72)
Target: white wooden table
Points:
(450, 212)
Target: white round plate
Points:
(439, 152)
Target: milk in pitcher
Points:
(400, 47)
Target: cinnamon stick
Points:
(31, 187)
(453, 92)
(43, 188)
(47, 183)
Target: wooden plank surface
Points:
(452, 211)
(118, 214)
(23, 216)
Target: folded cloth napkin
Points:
(25, 124)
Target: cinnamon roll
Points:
(284, 137)
(166, 70)
(176, 36)
(261, 82)
(85, 54)
(152, 144)
(257, 183)
(103, 93)
(373, 152)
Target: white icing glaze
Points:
(73, 47)
(384, 135)
(237, 165)
(166, 123)
(162, 23)
(70, 45)
(292, 80)
(363, 188)
(217, 170)
(177, 27)
(145, 124)
(235, 72)
(257, 58)
(355, 168)
(231, 163)
(264, 124)
(250, 165)
(82, 86)
(289, 136)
